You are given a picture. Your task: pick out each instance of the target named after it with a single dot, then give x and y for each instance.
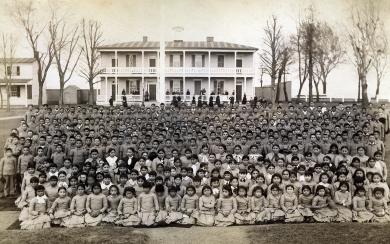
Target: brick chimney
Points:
(144, 38)
(210, 39)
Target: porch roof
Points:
(16, 81)
(18, 60)
(179, 45)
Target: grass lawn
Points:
(13, 112)
(94, 235)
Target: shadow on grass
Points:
(346, 233)
(89, 235)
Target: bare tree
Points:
(286, 57)
(365, 24)
(380, 53)
(8, 44)
(92, 37)
(65, 42)
(24, 13)
(271, 56)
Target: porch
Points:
(20, 92)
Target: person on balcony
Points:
(188, 92)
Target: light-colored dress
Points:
(290, 203)
(227, 207)
(275, 213)
(147, 207)
(96, 204)
(162, 213)
(360, 213)
(258, 210)
(38, 217)
(243, 209)
(189, 208)
(172, 205)
(323, 214)
(78, 206)
(23, 202)
(343, 202)
(60, 209)
(206, 215)
(380, 210)
(112, 211)
(127, 210)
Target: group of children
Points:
(209, 166)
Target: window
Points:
(171, 60)
(181, 86)
(15, 91)
(127, 87)
(152, 62)
(113, 63)
(9, 70)
(218, 87)
(133, 60)
(203, 60)
(239, 63)
(127, 60)
(193, 60)
(181, 60)
(171, 85)
(29, 91)
(134, 87)
(17, 70)
(221, 61)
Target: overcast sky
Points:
(237, 21)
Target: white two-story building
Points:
(145, 71)
(24, 86)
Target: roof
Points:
(18, 60)
(16, 81)
(179, 45)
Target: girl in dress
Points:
(172, 205)
(77, 209)
(189, 206)
(243, 207)
(257, 205)
(113, 201)
(206, 207)
(305, 202)
(127, 209)
(322, 213)
(289, 204)
(38, 217)
(161, 195)
(343, 202)
(147, 205)
(59, 211)
(274, 210)
(27, 195)
(378, 206)
(226, 207)
(359, 211)
(377, 182)
(96, 205)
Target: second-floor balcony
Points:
(179, 71)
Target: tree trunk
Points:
(273, 90)
(300, 90)
(364, 91)
(285, 88)
(324, 87)
(40, 94)
(378, 84)
(1, 98)
(91, 94)
(61, 98)
(278, 88)
(359, 87)
(316, 85)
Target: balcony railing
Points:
(180, 71)
(204, 98)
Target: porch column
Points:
(245, 87)
(235, 75)
(25, 88)
(142, 77)
(209, 77)
(116, 87)
(184, 76)
(106, 89)
(161, 91)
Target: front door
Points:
(238, 93)
(152, 92)
(113, 92)
(198, 87)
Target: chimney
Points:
(144, 38)
(210, 39)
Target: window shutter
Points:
(127, 60)
(29, 91)
(203, 60)
(17, 70)
(18, 91)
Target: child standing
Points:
(206, 207)
(360, 213)
(147, 205)
(172, 206)
(77, 209)
(8, 166)
(189, 206)
(226, 207)
(127, 208)
(289, 204)
(38, 218)
(96, 205)
(59, 211)
(113, 201)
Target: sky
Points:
(237, 21)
